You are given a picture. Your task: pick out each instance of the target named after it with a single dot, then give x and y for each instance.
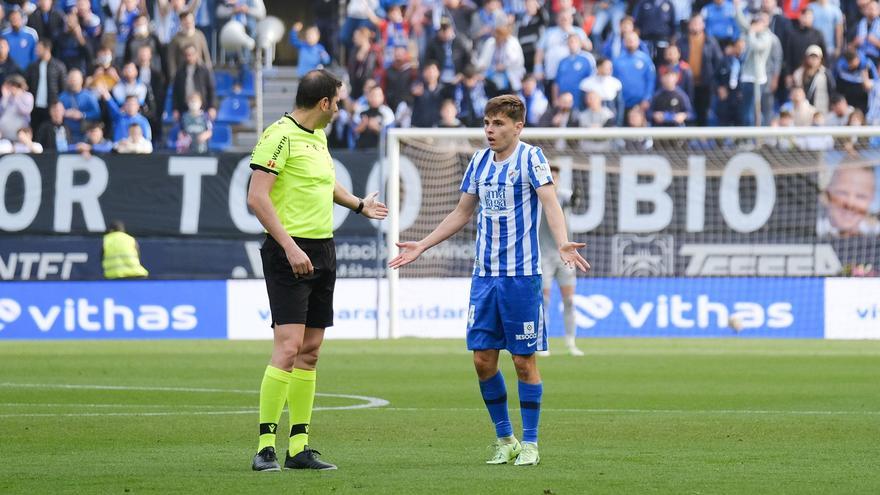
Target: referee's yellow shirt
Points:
(303, 194)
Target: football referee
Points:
(292, 190)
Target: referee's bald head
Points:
(315, 86)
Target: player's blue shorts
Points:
(507, 313)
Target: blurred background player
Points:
(552, 268)
(509, 181)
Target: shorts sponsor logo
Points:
(528, 332)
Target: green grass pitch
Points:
(633, 416)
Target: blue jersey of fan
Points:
(507, 223)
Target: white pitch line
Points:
(129, 414)
(126, 387)
(125, 406)
(657, 411)
(367, 402)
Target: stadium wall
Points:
(810, 308)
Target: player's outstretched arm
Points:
(373, 208)
(458, 218)
(567, 249)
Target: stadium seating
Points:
(221, 139)
(247, 83)
(168, 111)
(234, 109)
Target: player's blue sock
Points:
(530, 407)
(495, 396)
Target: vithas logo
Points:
(108, 315)
(9, 312)
(590, 309)
(869, 312)
(681, 312)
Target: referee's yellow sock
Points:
(273, 393)
(300, 399)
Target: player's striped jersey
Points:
(507, 223)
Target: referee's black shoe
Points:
(307, 459)
(266, 460)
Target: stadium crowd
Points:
(104, 75)
(580, 63)
(134, 75)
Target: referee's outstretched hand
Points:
(373, 208)
(570, 256)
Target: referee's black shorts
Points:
(300, 299)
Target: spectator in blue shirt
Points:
(855, 75)
(126, 116)
(534, 99)
(573, 69)
(636, 72)
(7, 65)
(81, 106)
(310, 53)
(607, 13)
(470, 97)
(655, 20)
(94, 141)
(868, 33)
(721, 20)
(828, 19)
(22, 39)
(613, 46)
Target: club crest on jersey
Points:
(512, 174)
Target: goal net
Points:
(690, 232)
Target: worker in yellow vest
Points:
(121, 256)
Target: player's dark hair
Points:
(509, 105)
(315, 86)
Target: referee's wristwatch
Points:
(360, 207)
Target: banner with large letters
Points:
(154, 195)
(686, 213)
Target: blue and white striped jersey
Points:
(510, 213)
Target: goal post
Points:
(667, 212)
